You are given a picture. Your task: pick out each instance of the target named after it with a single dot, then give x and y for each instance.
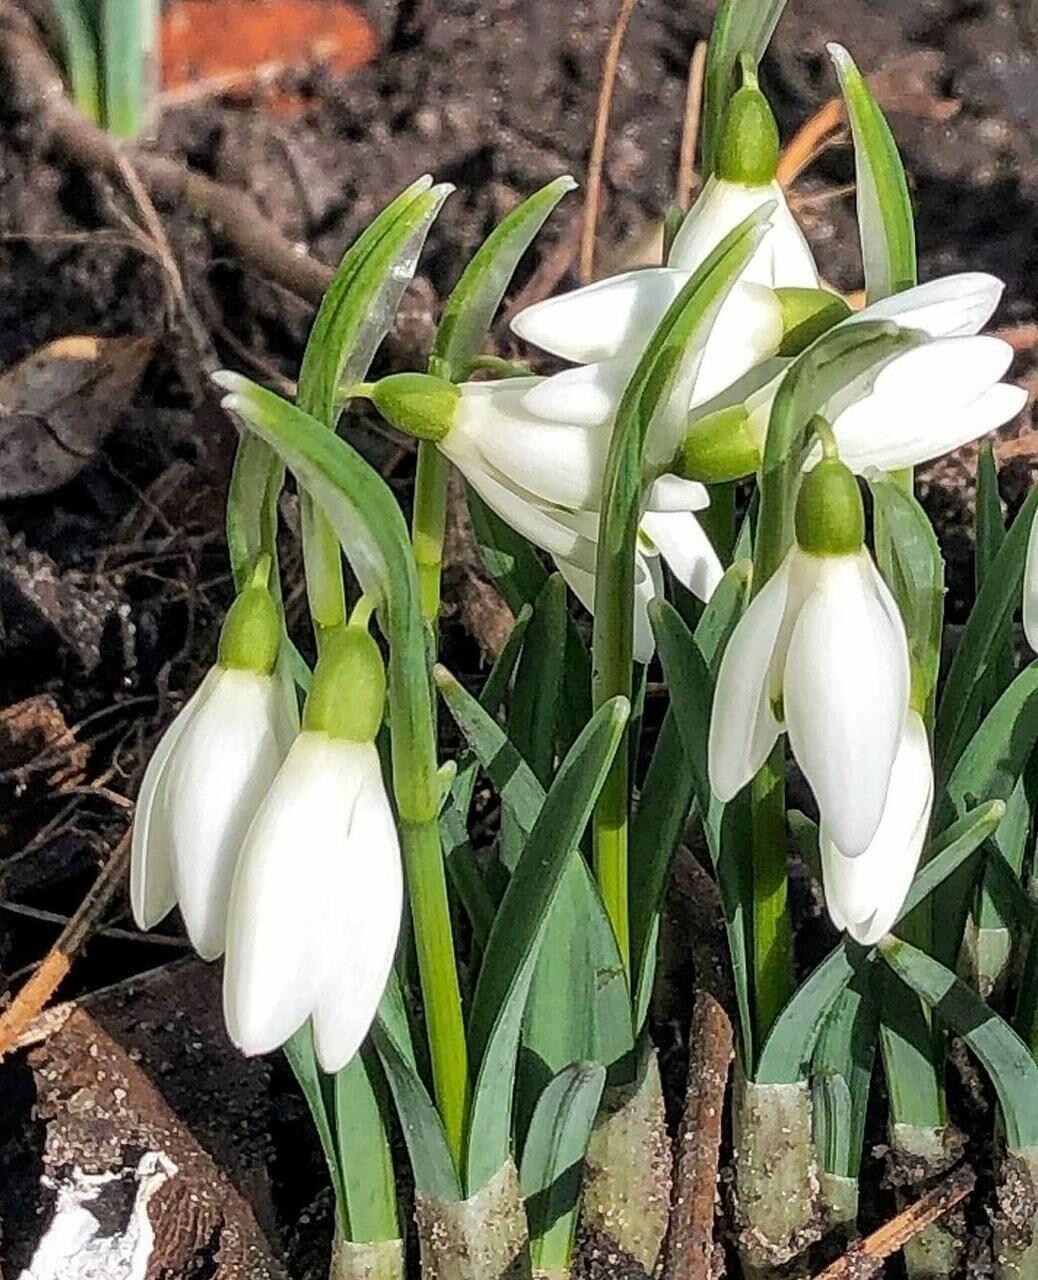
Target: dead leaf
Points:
(35, 739)
(58, 405)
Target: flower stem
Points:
(434, 943)
(772, 983)
(610, 851)
(427, 525)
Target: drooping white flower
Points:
(864, 894)
(1030, 609)
(821, 654)
(922, 403)
(315, 909)
(316, 901)
(202, 787)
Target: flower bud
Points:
(418, 404)
(718, 447)
(830, 517)
(348, 691)
(806, 315)
(749, 149)
(251, 633)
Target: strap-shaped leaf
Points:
(477, 295)
(842, 1076)
(791, 1041)
(367, 1162)
(910, 561)
(552, 1163)
(741, 26)
(500, 996)
(885, 222)
(302, 1058)
(1003, 1055)
(979, 644)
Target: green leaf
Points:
(741, 26)
(503, 984)
(129, 39)
(842, 1076)
(1001, 1052)
(365, 1157)
(947, 852)
(910, 561)
(979, 644)
(81, 55)
(885, 221)
(551, 1170)
(302, 1058)
(477, 295)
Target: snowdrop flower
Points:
(923, 402)
(208, 775)
(544, 478)
(865, 894)
(605, 327)
(316, 901)
(1031, 587)
(821, 654)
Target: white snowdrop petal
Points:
(152, 892)
(674, 493)
(747, 331)
(946, 371)
(943, 308)
(845, 692)
(524, 515)
(689, 553)
(865, 894)
(367, 892)
(216, 779)
(743, 726)
(1030, 602)
(588, 395)
(608, 318)
(281, 913)
(647, 585)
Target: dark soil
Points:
(496, 96)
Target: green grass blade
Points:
(129, 41)
(552, 1163)
(842, 1077)
(80, 41)
(885, 221)
(466, 318)
(1001, 1052)
(364, 1153)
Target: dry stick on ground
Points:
(598, 145)
(690, 1244)
(816, 134)
(690, 125)
(34, 88)
(36, 993)
(866, 1257)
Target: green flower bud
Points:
(806, 315)
(830, 516)
(348, 691)
(719, 446)
(418, 404)
(251, 632)
(749, 150)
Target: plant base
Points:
(628, 1169)
(986, 958)
(481, 1238)
(1016, 1217)
(838, 1198)
(377, 1260)
(776, 1179)
(918, 1155)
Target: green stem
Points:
(610, 850)
(772, 964)
(434, 943)
(427, 525)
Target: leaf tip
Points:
(842, 60)
(442, 677)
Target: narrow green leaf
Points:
(740, 26)
(531, 724)
(842, 1077)
(947, 852)
(1004, 1056)
(129, 39)
(302, 1058)
(551, 1170)
(978, 646)
(885, 221)
(910, 561)
(477, 295)
(365, 1157)
(81, 56)
(504, 978)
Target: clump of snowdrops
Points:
(292, 813)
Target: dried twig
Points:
(598, 144)
(690, 1244)
(1021, 337)
(866, 1257)
(690, 125)
(36, 993)
(822, 130)
(33, 87)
